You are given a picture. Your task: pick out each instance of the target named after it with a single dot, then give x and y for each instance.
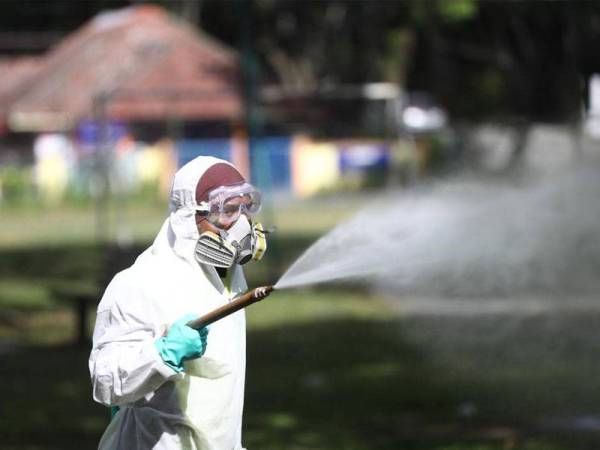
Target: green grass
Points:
(293, 307)
(22, 294)
(363, 377)
(328, 368)
(52, 226)
(338, 369)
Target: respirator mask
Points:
(231, 210)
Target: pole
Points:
(259, 157)
(101, 168)
(250, 297)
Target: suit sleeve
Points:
(124, 363)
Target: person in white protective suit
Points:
(176, 387)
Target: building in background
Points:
(135, 93)
(135, 74)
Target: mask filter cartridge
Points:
(238, 245)
(213, 250)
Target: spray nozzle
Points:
(269, 230)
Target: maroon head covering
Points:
(220, 174)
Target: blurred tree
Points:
(514, 62)
(302, 44)
(519, 62)
(521, 56)
(34, 16)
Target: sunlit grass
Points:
(25, 227)
(24, 295)
(299, 306)
(140, 221)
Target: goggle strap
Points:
(203, 207)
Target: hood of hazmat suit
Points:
(201, 407)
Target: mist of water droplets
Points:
(468, 237)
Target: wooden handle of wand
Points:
(246, 299)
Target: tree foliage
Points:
(492, 58)
(480, 59)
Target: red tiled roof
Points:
(15, 75)
(150, 65)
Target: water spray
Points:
(462, 238)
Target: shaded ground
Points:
(352, 378)
(426, 382)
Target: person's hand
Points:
(182, 343)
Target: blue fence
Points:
(269, 158)
(270, 162)
(188, 149)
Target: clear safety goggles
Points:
(226, 203)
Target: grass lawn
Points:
(329, 368)
(335, 369)
(47, 226)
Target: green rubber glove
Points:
(182, 343)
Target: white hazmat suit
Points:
(201, 407)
